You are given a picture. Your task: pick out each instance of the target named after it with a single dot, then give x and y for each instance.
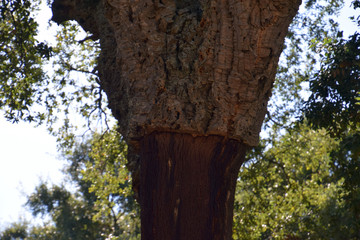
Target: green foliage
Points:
(346, 166)
(45, 84)
(111, 183)
(71, 213)
(356, 5)
(312, 26)
(102, 207)
(15, 231)
(74, 85)
(23, 231)
(333, 105)
(21, 55)
(291, 192)
(334, 89)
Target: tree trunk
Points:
(188, 82)
(188, 185)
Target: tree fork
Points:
(187, 185)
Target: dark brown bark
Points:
(187, 186)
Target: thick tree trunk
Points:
(187, 186)
(189, 82)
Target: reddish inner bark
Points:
(187, 186)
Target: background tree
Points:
(291, 193)
(102, 207)
(15, 231)
(21, 56)
(96, 203)
(333, 105)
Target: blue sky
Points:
(28, 154)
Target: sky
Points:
(28, 154)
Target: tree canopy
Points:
(21, 58)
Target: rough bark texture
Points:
(188, 185)
(179, 74)
(203, 67)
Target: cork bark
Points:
(176, 71)
(203, 67)
(200, 67)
